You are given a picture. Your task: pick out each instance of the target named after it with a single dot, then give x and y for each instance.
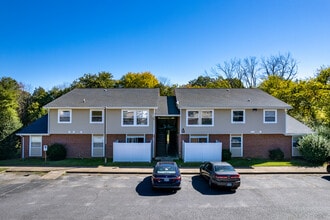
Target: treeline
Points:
(309, 98)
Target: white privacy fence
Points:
(201, 152)
(132, 152)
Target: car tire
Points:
(328, 168)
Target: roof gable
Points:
(295, 127)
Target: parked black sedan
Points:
(166, 175)
(220, 174)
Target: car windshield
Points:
(165, 169)
(221, 168)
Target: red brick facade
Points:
(258, 146)
(78, 145)
(254, 146)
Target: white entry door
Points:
(236, 145)
(98, 146)
(35, 146)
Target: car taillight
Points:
(178, 178)
(221, 176)
(234, 176)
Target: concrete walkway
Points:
(54, 172)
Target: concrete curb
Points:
(57, 171)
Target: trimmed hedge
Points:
(226, 154)
(56, 151)
(276, 154)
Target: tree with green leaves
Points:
(100, 80)
(10, 121)
(219, 82)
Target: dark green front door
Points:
(166, 137)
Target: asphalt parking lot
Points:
(129, 196)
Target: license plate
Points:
(166, 179)
(229, 184)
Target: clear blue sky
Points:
(50, 43)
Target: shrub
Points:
(226, 154)
(276, 154)
(314, 148)
(56, 152)
(10, 147)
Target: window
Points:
(64, 116)
(96, 116)
(236, 141)
(135, 117)
(270, 116)
(237, 116)
(135, 139)
(98, 146)
(204, 118)
(128, 117)
(35, 146)
(199, 139)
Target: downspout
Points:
(154, 135)
(105, 135)
(23, 149)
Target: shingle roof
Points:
(167, 106)
(295, 127)
(227, 98)
(111, 98)
(40, 126)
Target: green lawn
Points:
(94, 162)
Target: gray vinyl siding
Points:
(80, 123)
(254, 123)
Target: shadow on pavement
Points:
(326, 177)
(201, 185)
(144, 189)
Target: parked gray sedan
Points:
(220, 174)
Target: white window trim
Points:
(199, 136)
(30, 145)
(232, 116)
(199, 118)
(264, 116)
(59, 114)
(90, 116)
(134, 118)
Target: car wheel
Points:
(233, 189)
(328, 168)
